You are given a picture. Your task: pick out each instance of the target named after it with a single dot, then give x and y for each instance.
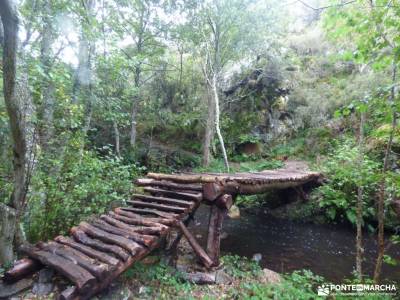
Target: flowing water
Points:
(285, 245)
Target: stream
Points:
(285, 246)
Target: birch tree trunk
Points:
(209, 132)
(217, 125)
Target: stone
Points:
(234, 212)
(45, 275)
(42, 289)
(221, 277)
(257, 257)
(269, 276)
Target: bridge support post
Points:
(217, 214)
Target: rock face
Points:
(269, 276)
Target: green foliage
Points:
(345, 173)
(240, 267)
(70, 189)
(298, 285)
(162, 281)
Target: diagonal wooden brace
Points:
(205, 259)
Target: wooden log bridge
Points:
(97, 251)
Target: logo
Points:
(356, 289)
(323, 290)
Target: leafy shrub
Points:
(240, 267)
(65, 191)
(345, 174)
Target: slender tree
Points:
(359, 207)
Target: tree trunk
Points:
(7, 232)
(209, 132)
(82, 87)
(48, 88)
(116, 135)
(135, 100)
(382, 185)
(217, 125)
(9, 19)
(359, 208)
(133, 132)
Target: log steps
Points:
(99, 250)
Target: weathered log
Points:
(78, 275)
(246, 183)
(133, 247)
(134, 219)
(214, 233)
(22, 268)
(81, 237)
(162, 207)
(145, 240)
(91, 252)
(163, 200)
(173, 244)
(138, 229)
(205, 259)
(183, 178)
(147, 211)
(224, 202)
(212, 190)
(168, 184)
(174, 194)
(118, 271)
(99, 270)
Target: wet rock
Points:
(42, 289)
(234, 212)
(8, 290)
(257, 257)
(269, 276)
(221, 277)
(44, 284)
(45, 275)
